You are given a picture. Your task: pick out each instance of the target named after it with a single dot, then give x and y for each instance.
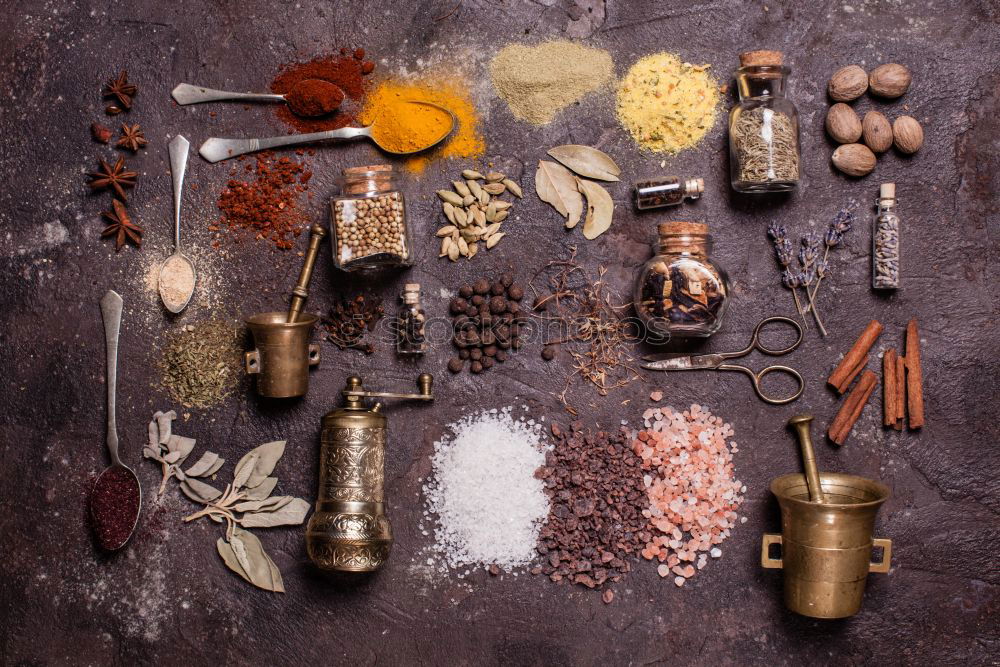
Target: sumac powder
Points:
(114, 507)
(347, 71)
(314, 97)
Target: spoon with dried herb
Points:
(116, 497)
(177, 276)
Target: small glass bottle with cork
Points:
(369, 220)
(680, 292)
(763, 127)
(411, 337)
(669, 191)
(885, 240)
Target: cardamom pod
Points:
(491, 211)
(502, 215)
(479, 216)
(468, 200)
(502, 205)
(445, 244)
(494, 177)
(460, 187)
(449, 212)
(473, 249)
(495, 188)
(463, 247)
(453, 252)
(484, 197)
(472, 174)
(445, 231)
(495, 239)
(474, 188)
(461, 217)
(492, 229)
(449, 197)
(513, 187)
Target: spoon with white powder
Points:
(177, 275)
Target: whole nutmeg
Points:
(907, 134)
(848, 83)
(889, 81)
(877, 131)
(854, 159)
(843, 124)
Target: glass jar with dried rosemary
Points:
(763, 127)
(680, 292)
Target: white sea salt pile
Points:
(482, 495)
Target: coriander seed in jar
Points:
(368, 219)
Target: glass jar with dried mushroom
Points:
(680, 292)
(763, 127)
(369, 220)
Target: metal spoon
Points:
(176, 301)
(185, 94)
(111, 313)
(215, 149)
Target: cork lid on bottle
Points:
(357, 171)
(675, 228)
(370, 178)
(411, 287)
(755, 58)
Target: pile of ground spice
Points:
(114, 507)
(348, 70)
(265, 207)
(667, 105)
(596, 525)
(538, 82)
(444, 89)
(201, 363)
(693, 492)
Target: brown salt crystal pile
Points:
(689, 480)
(595, 524)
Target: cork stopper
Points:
(411, 287)
(754, 58)
(887, 191)
(358, 171)
(370, 178)
(695, 186)
(411, 293)
(676, 228)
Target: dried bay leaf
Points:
(291, 514)
(587, 161)
(199, 491)
(600, 209)
(204, 464)
(262, 490)
(555, 185)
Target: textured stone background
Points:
(168, 597)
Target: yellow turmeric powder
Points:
(403, 127)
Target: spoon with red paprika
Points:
(116, 497)
(308, 98)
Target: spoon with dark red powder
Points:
(308, 98)
(116, 497)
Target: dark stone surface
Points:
(168, 597)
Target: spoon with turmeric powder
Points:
(411, 128)
(309, 98)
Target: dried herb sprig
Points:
(785, 255)
(245, 503)
(809, 260)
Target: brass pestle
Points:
(301, 291)
(801, 425)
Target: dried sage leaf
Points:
(587, 161)
(557, 186)
(215, 467)
(178, 443)
(229, 558)
(203, 465)
(600, 209)
(151, 453)
(199, 491)
(154, 433)
(172, 457)
(163, 422)
(244, 469)
(291, 514)
(260, 569)
(265, 505)
(262, 490)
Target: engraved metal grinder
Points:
(349, 531)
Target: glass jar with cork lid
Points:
(680, 292)
(763, 127)
(368, 219)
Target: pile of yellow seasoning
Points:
(667, 105)
(402, 127)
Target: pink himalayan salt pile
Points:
(693, 494)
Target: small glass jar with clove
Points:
(763, 127)
(369, 220)
(411, 337)
(680, 292)
(669, 191)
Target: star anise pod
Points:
(121, 89)
(121, 227)
(132, 138)
(115, 178)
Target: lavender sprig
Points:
(842, 223)
(784, 253)
(809, 259)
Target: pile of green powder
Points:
(201, 363)
(538, 82)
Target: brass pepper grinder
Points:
(349, 531)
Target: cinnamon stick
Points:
(889, 387)
(852, 407)
(914, 376)
(853, 374)
(900, 391)
(855, 355)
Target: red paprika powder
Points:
(314, 97)
(347, 71)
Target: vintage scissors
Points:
(694, 362)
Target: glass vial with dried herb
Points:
(680, 292)
(763, 127)
(369, 220)
(885, 240)
(411, 337)
(669, 191)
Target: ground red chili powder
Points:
(313, 98)
(346, 70)
(114, 507)
(267, 206)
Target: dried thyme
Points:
(766, 145)
(201, 362)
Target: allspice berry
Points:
(455, 365)
(549, 352)
(889, 81)
(877, 131)
(842, 124)
(854, 159)
(515, 292)
(907, 134)
(481, 286)
(848, 83)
